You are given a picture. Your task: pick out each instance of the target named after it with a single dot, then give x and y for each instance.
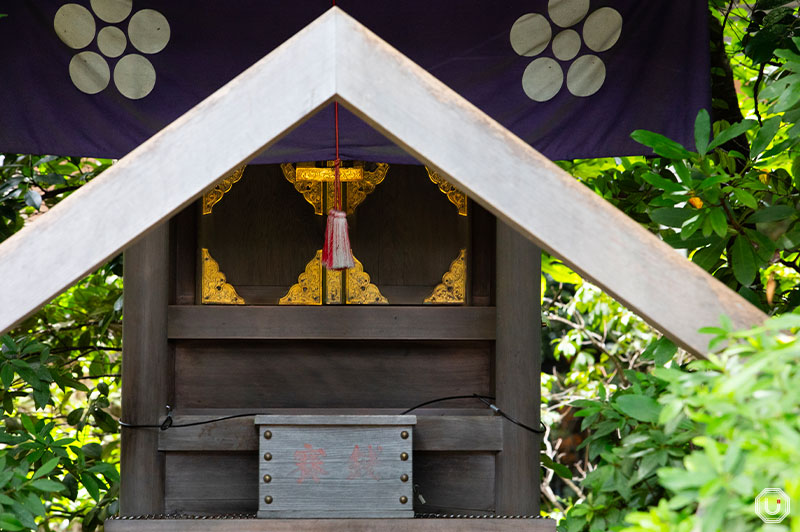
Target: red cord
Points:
(337, 184)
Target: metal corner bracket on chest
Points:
(314, 466)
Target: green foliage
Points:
(744, 403)
(59, 372)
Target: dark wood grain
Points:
(481, 255)
(209, 483)
(184, 256)
(432, 433)
(145, 371)
(406, 232)
(517, 367)
(455, 483)
(332, 322)
(262, 232)
(313, 374)
(332, 525)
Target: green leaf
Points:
(671, 216)
(719, 221)
(47, 485)
(662, 351)
(46, 468)
(10, 522)
(90, 483)
(660, 144)
(9, 343)
(34, 505)
(7, 375)
(662, 183)
(708, 257)
(743, 261)
(33, 198)
(764, 136)
(731, 133)
(639, 407)
(559, 469)
(772, 214)
(702, 131)
(745, 198)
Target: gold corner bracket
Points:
(308, 289)
(453, 288)
(456, 197)
(214, 288)
(351, 286)
(213, 196)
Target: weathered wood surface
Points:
(527, 191)
(335, 56)
(232, 125)
(145, 372)
(269, 374)
(517, 370)
(212, 483)
(332, 525)
(348, 467)
(342, 419)
(374, 322)
(432, 433)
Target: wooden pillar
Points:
(517, 368)
(145, 371)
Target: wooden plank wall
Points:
(224, 360)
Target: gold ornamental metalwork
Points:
(456, 197)
(314, 183)
(213, 196)
(311, 190)
(308, 289)
(453, 288)
(359, 289)
(351, 286)
(214, 288)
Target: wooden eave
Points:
(337, 58)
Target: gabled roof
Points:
(336, 58)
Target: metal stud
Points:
(267, 478)
(404, 477)
(404, 456)
(267, 456)
(268, 499)
(267, 434)
(403, 499)
(404, 434)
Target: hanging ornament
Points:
(336, 252)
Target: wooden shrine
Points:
(228, 311)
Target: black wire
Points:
(450, 398)
(483, 399)
(168, 421)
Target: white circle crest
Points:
(134, 75)
(532, 33)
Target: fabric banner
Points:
(571, 77)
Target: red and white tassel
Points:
(336, 253)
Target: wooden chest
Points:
(335, 466)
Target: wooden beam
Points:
(167, 172)
(517, 369)
(331, 323)
(432, 433)
(335, 56)
(528, 192)
(330, 525)
(145, 371)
